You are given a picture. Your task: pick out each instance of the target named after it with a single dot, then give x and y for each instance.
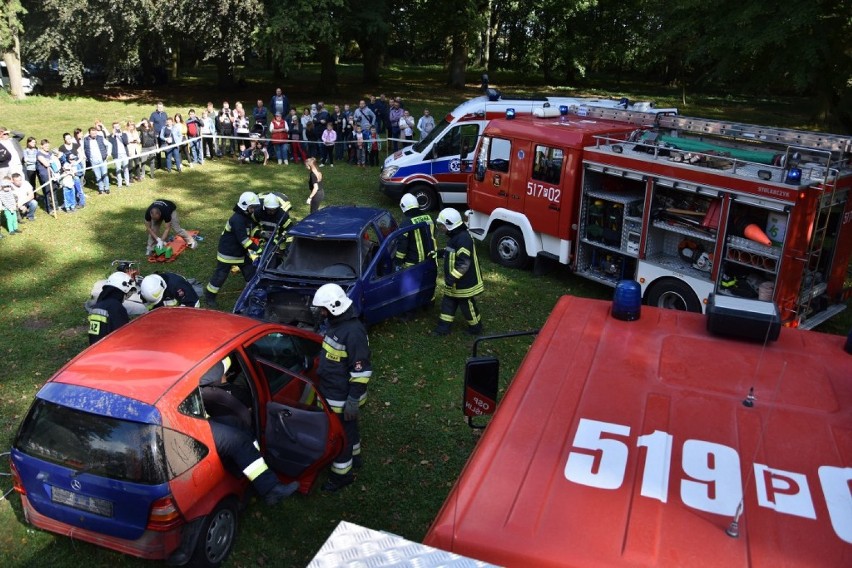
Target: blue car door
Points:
(390, 290)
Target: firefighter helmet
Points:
(152, 289)
(247, 199)
(333, 298)
(122, 281)
(271, 202)
(408, 202)
(450, 218)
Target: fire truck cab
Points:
(687, 207)
(435, 169)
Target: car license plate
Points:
(94, 505)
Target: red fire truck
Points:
(652, 443)
(687, 207)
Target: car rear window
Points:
(105, 446)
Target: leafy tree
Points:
(10, 30)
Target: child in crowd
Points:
(9, 206)
(374, 147)
(359, 145)
(79, 170)
(329, 138)
(69, 194)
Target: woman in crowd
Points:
(315, 186)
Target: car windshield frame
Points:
(106, 446)
(319, 258)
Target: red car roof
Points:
(628, 443)
(145, 358)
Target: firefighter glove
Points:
(449, 281)
(351, 410)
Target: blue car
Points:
(353, 247)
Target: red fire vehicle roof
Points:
(628, 444)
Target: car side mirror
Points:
(481, 376)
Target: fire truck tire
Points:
(426, 196)
(672, 294)
(508, 248)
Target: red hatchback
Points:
(117, 449)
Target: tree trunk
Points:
(174, 61)
(328, 69)
(372, 58)
(224, 72)
(489, 32)
(13, 68)
(458, 61)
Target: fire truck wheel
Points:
(426, 197)
(672, 294)
(508, 248)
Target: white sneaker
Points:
(322, 165)
(192, 244)
(332, 165)
(286, 163)
(279, 162)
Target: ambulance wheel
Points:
(426, 197)
(217, 536)
(508, 248)
(673, 294)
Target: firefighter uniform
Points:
(463, 282)
(274, 221)
(178, 292)
(108, 314)
(344, 371)
(415, 246)
(235, 249)
(234, 443)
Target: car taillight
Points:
(165, 515)
(17, 484)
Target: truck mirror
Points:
(481, 376)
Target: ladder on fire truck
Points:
(832, 152)
(725, 129)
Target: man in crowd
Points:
(24, 196)
(158, 121)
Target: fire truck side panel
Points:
(729, 219)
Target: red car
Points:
(117, 449)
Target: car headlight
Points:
(389, 172)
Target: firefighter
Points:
(168, 289)
(108, 312)
(462, 278)
(232, 438)
(414, 247)
(236, 248)
(344, 371)
(273, 215)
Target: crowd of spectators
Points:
(125, 153)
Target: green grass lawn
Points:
(415, 439)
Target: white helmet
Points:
(450, 218)
(152, 289)
(333, 298)
(247, 199)
(408, 202)
(122, 281)
(271, 201)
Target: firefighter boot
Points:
(280, 492)
(210, 299)
(441, 329)
(474, 329)
(337, 481)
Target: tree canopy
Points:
(759, 47)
